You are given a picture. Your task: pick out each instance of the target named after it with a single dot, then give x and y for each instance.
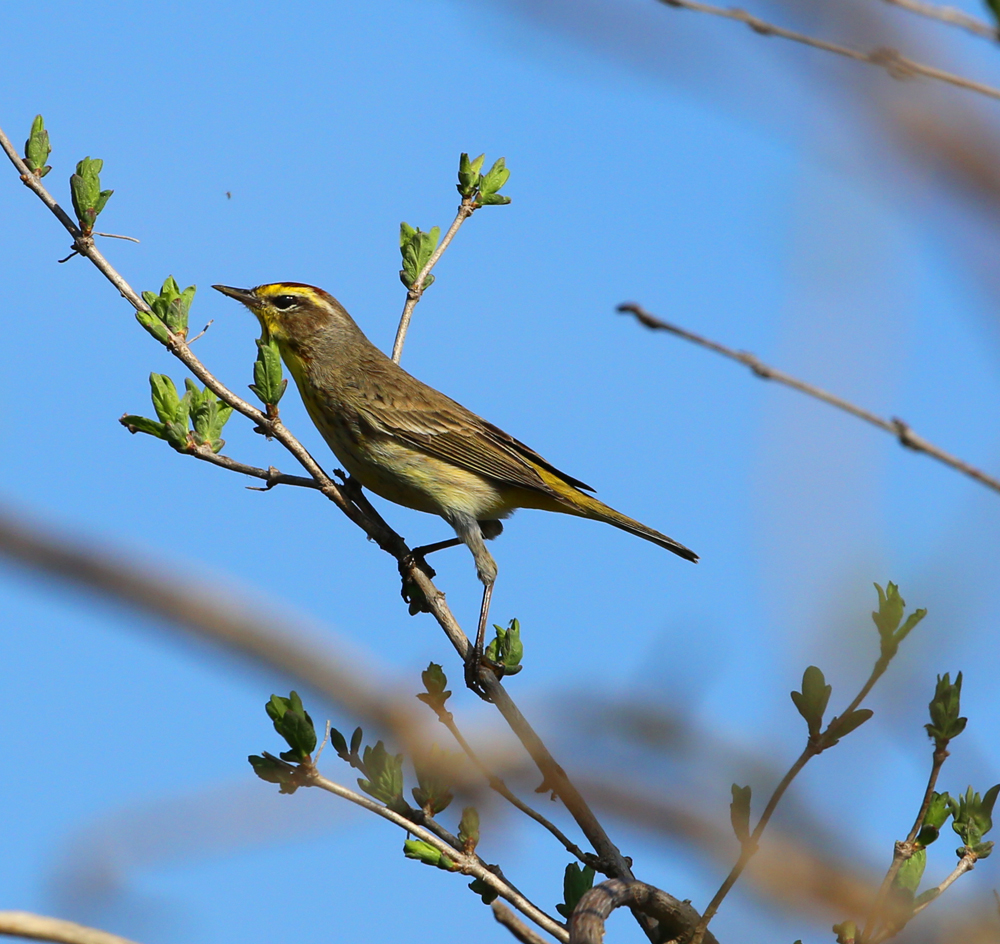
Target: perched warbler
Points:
(409, 443)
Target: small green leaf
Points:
(268, 385)
(813, 699)
(165, 400)
(841, 727)
(142, 424)
(434, 681)
(486, 892)
(911, 872)
(739, 812)
(416, 247)
(37, 149)
(490, 184)
(468, 174)
(944, 710)
(426, 853)
(356, 740)
(384, 773)
(293, 723)
(152, 323)
(339, 743)
(506, 649)
(270, 769)
(576, 883)
(85, 189)
(887, 619)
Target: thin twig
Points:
(498, 786)
(950, 15)
(905, 849)
(814, 746)
(43, 928)
(466, 864)
(465, 209)
(375, 527)
(515, 925)
(901, 430)
(896, 65)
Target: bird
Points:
(411, 444)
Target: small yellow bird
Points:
(409, 443)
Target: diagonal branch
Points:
(43, 928)
(363, 515)
(950, 15)
(467, 863)
(895, 64)
(895, 426)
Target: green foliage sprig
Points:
(186, 422)
(482, 189)
(37, 148)
(88, 198)
(506, 650)
(168, 311)
(577, 881)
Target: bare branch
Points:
(949, 15)
(42, 928)
(515, 925)
(465, 209)
(467, 864)
(897, 427)
(497, 785)
(676, 918)
(895, 64)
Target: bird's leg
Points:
(477, 656)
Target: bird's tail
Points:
(574, 502)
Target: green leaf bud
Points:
(739, 812)
(37, 149)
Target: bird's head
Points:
(291, 312)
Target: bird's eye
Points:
(284, 302)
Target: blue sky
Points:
(720, 181)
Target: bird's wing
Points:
(447, 430)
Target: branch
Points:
(896, 65)
(904, 850)
(895, 426)
(42, 928)
(206, 612)
(814, 746)
(950, 15)
(362, 514)
(497, 785)
(465, 863)
(512, 923)
(676, 918)
(466, 208)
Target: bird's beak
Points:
(244, 295)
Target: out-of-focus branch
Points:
(42, 928)
(949, 15)
(901, 430)
(676, 918)
(206, 612)
(895, 64)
